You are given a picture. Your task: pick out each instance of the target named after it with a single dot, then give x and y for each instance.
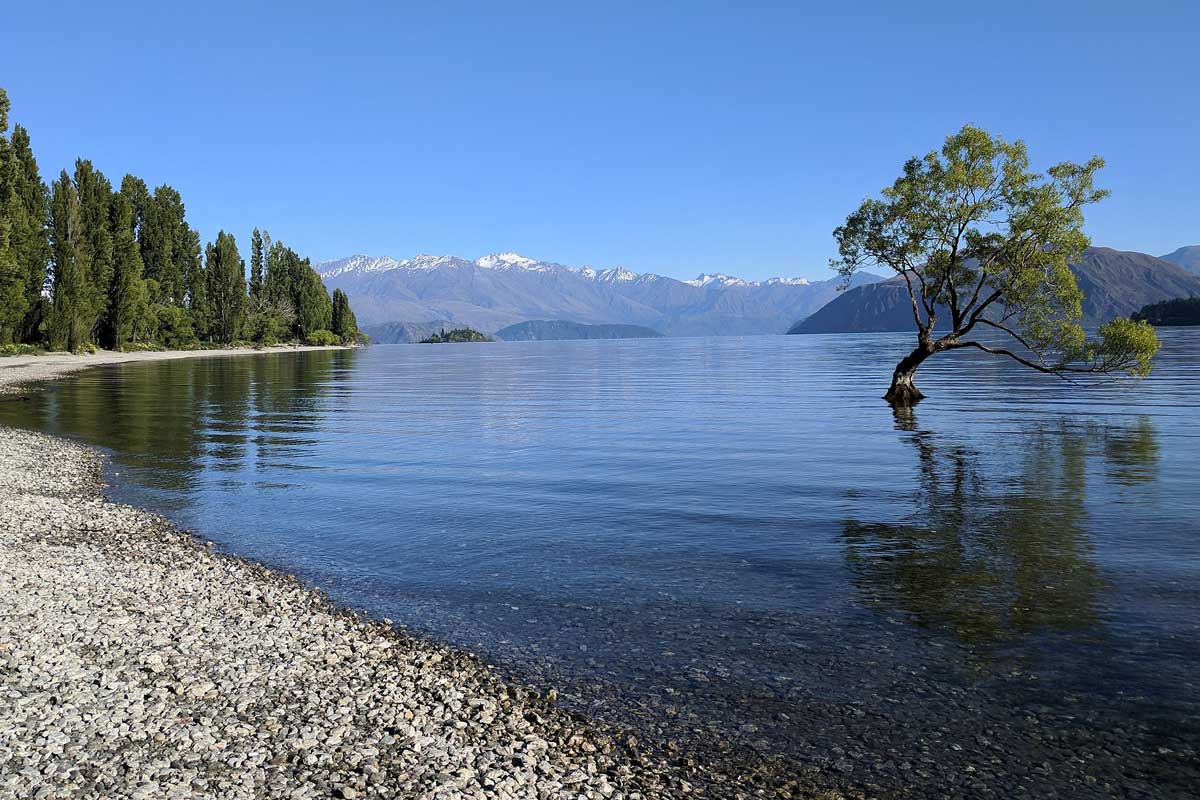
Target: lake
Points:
(730, 543)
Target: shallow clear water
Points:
(729, 541)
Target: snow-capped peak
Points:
(716, 277)
(358, 263)
(617, 274)
(515, 261)
(506, 261)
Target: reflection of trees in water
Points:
(997, 551)
(178, 417)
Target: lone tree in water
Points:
(982, 243)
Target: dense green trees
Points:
(344, 325)
(24, 242)
(84, 265)
(226, 287)
(456, 335)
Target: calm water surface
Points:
(728, 541)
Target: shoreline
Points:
(16, 371)
(139, 662)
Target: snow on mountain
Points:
(502, 261)
(501, 289)
(509, 261)
(718, 278)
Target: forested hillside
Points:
(84, 265)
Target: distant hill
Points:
(1114, 284)
(544, 330)
(1181, 311)
(1186, 257)
(404, 332)
(503, 289)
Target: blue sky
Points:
(668, 137)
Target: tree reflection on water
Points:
(997, 546)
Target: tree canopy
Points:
(984, 243)
(84, 265)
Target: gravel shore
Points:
(135, 661)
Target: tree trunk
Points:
(903, 392)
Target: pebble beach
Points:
(137, 661)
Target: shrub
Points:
(175, 329)
(20, 350)
(139, 347)
(322, 338)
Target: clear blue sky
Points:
(667, 137)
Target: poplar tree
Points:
(80, 263)
(69, 326)
(314, 309)
(127, 301)
(344, 324)
(197, 291)
(94, 256)
(173, 222)
(226, 287)
(256, 264)
(29, 235)
(12, 285)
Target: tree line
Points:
(85, 265)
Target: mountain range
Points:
(1114, 283)
(503, 289)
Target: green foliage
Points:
(256, 263)
(69, 327)
(12, 283)
(1125, 346)
(12, 349)
(344, 323)
(322, 338)
(81, 264)
(225, 288)
(128, 295)
(174, 328)
(95, 252)
(981, 239)
(29, 235)
(456, 335)
(140, 347)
